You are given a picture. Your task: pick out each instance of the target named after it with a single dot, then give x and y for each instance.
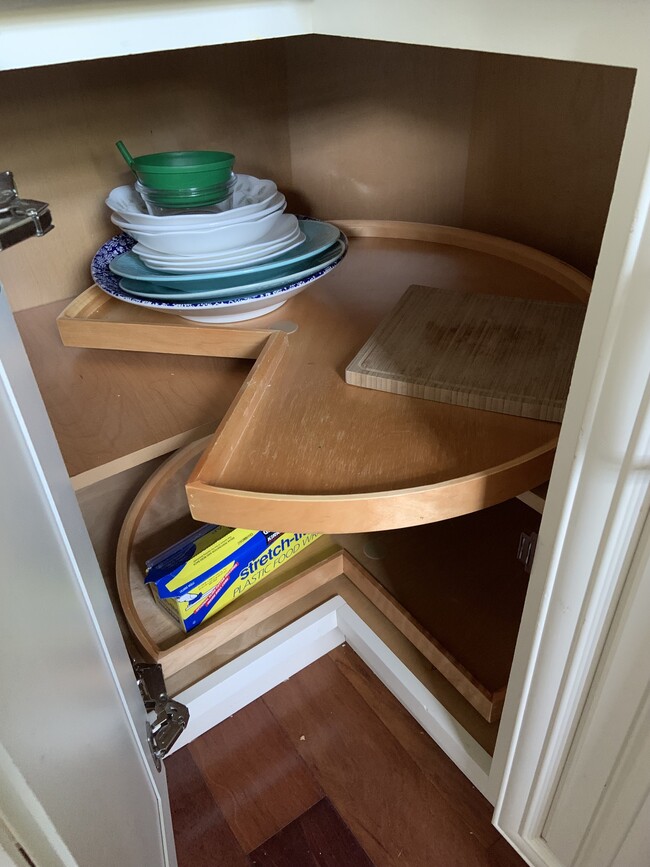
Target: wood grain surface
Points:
(111, 410)
(509, 355)
(313, 454)
(390, 795)
(384, 132)
(375, 785)
(544, 146)
(318, 838)
(202, 835)
(255, 775)
(475, 810)
(521, 147)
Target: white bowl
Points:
(236, 237)
(250, 195)
(253, 255)
(278, 204)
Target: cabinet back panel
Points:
(380, 130)
(545, 143)
(61, 124)
(513, 146)
(519, 147)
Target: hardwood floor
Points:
(319, 837)
(328, 770)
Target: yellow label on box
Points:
(193, 582)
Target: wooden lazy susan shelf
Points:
(299, 449)
(406, 581)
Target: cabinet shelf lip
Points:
(375, 510)
(570, 278)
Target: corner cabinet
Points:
(528, 123)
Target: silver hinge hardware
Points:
(20, 218)
(167, 718)
(526, 550)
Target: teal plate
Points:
(319, 236)
(237, 287)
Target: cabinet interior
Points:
(518, 147)
(523, 148)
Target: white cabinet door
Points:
(77, 785)
(599, 814)
(574, 742)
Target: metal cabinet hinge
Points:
(526, 550)
(167, 718)
(20, 218)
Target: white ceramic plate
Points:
(277, 204)
(319, 236)
(255, 253)
(208, 312)
(235, 238)
(250, 196)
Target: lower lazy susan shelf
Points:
(457, 605)
(299, 450)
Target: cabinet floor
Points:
(327, 769)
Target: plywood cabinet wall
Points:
(513, 146)
(524, 148)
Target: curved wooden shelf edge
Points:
(574, 281)
(125, 544)
(145, 617)
(382, 510)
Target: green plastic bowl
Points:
(194, 198)
(183, 170)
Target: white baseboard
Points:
(435, 719)
(293, 648)
(229, 689)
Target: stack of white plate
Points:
(215, 267)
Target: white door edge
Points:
(23, 820)
(30, 434)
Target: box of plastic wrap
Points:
(209, 569)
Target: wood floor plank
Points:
(462, 796)
(390, 806)
(201, 833)
(501, 854)
(255, 775)
(318, 838)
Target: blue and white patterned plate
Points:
(217, 311)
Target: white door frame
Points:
(595, 510)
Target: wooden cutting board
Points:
(490, 352)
